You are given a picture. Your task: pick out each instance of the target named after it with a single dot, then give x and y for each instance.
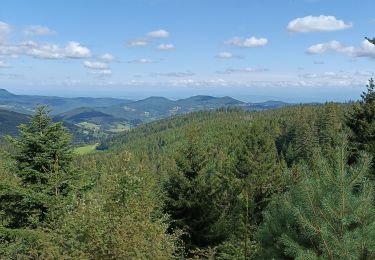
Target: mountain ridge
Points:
(110, 115)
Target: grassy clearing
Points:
(91, 148)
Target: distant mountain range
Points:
(100, 116)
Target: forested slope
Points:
(288, 183)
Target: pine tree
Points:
(329, 214)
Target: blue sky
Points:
(292, 50)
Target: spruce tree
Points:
(43, 154)
(193, 194)
(258, 172)
(42, 158)
(361, 121)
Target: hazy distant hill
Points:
(9, 122)
(26, 103)
(111, 115)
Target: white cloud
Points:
(38, 30)
(165, 47)
(365, 50)
(242, 70)
(107, 57)
(247, 42)
(158, 34)
(137, 43)
(46, 51)
(142, 42)
(95, 65)
(320, 23)
(76, 50)
(102, 73)
(326, 75)
(175, 74)
(5, 30)
(226, 55)
(197, 83)
(142, 61)
(3, 64)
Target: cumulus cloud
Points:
(158, 34)
(320, 23)
(137, 43)
(247, 42)
(366, 49)
(150, 36)
(46, 51)
(141, 61)
(37, 30)
(76, 50)
(95, 65)
(165, 47)
(107, 57)
(5, 30)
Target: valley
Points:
(93, 119)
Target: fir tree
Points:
(43, 154)
(31, 195)
(43, 166)
(361, 121)
(258, 172)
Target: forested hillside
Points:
(295, 182)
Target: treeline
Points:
(295, 182)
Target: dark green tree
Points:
(361, 121)
(329, 214)
(31, 195)
(194, 193)
(258, 170)
(43, 154)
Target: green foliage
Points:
(329, 214)
(120, 217)
(87, 149)
(361, 121)
(30, 197)
(43, 154)
(225, 184)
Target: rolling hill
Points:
(26, 103)
(9, 122)
(104, 116)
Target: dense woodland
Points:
(290, 183)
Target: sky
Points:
(252, 50)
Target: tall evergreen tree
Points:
(258, 171)
(43, 154)
(196, 198)
(329, 214)
(40, 177)
(361, 121)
